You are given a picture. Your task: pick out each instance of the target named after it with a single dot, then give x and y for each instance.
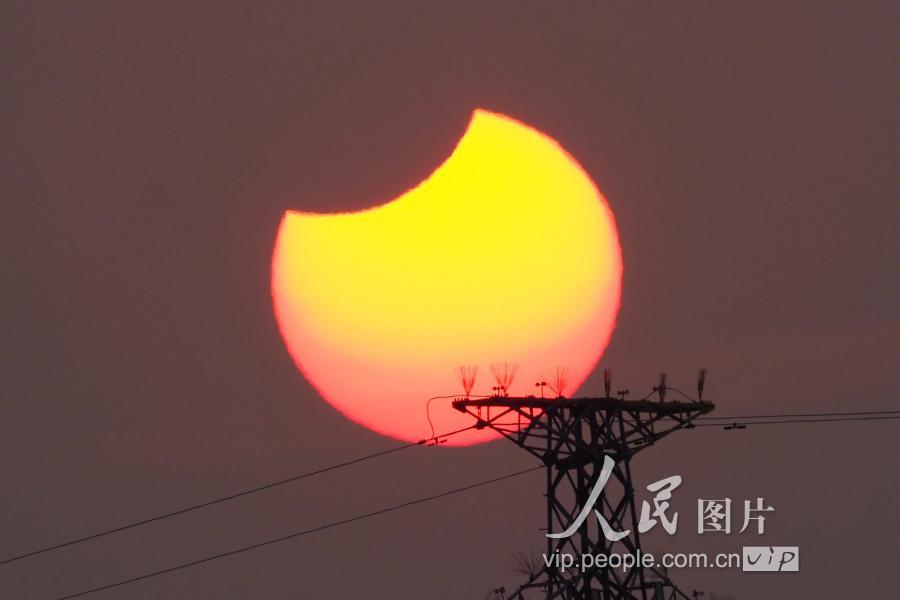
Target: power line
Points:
(731, 425)
(783, 415)
(227, 498)
(787, 415)
(302, 533)
(728, 421)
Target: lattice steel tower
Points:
(571, 436)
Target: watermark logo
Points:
(649, 517)
(713, 516)
(771, 558)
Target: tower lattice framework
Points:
(571, 437)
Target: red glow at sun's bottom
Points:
(507, 252)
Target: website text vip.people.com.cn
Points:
(784, 559)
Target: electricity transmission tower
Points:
(572, 437)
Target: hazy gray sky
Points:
(748, 150)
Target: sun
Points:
(507, 252)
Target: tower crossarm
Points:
(571, 430)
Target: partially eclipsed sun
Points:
(507, 252)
